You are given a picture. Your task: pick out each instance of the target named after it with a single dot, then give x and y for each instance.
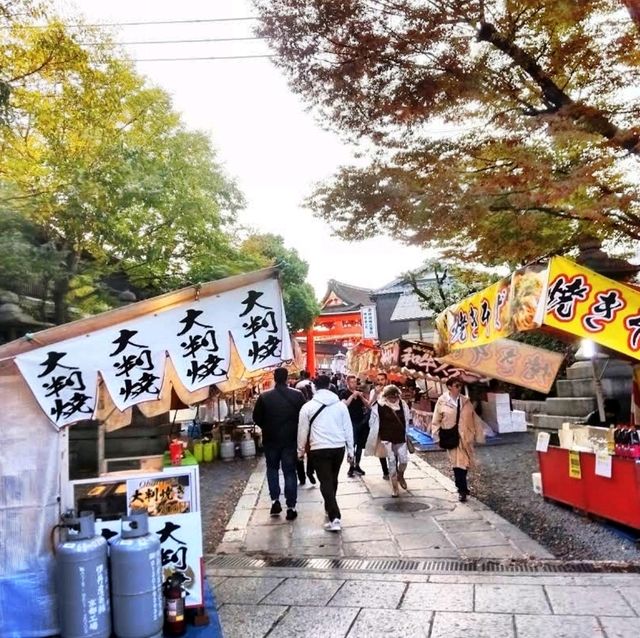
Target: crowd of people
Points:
(327, 418)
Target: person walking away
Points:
(276, 412)
(457, 427)
(325, 424)
(388, 426)
(381, 382)
(358, 407)
(305, 385)
(308, 389)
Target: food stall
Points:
(587, 470)
(100, 370)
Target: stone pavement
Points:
(279, 603)
(425, 522)
(356, 598)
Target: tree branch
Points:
(39, 68)
(588, 118)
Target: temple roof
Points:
(402, 284)
(344, 298)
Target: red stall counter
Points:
(616, 498)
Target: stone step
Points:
(618, 387)
(613, 368)
(530, 407)
(569, 406)
(551, 422)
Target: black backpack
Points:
(307, 392)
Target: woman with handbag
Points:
(388, 424)
(457, 428)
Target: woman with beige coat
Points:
(453, 408)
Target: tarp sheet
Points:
(30, 456)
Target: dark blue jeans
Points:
(285, 457)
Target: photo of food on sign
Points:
(527, 298)
(160, 496)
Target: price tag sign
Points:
(574, 464)
(542, 445)
(603, 464)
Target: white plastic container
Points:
(536, 479)
(227, 449)
(247, 446)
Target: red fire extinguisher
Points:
(174, 593)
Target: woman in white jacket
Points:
(388, 425)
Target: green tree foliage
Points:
(25, 255)
(541, 138)
(100, 164)
(453, 281)
(300, 301)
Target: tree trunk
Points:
(633, 6)
(588, 118)
(61, 288)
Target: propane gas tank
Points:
(82, 580)
(136, 580)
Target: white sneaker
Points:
(333, 526)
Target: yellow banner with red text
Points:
(588, 305)
(513, 304)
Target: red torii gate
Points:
(345, 326)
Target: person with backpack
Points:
(457, 429)
(308, 389)
(325, 427)
(305, 385)
(276, 412)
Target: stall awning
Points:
(510, 361)
(560, 295)
(418, 358)
(215, 334)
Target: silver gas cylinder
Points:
(136, 580)
(82, 580)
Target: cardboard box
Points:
(499, 398)
(519, 421)
(499, 420)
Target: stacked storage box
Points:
(518, 421)
(496, 411)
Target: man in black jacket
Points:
(276, 412)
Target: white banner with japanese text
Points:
(131, 356)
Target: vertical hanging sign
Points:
(61, 381)
(369, 322)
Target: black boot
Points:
(460, 476)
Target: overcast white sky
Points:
(265, 138)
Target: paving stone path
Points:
(427, 522)
(281, 603)
(431, 522)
